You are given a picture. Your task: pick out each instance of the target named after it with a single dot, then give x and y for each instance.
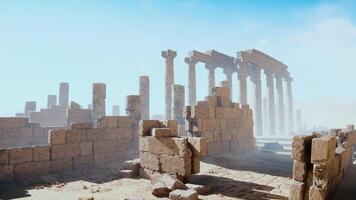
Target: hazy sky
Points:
(45, 42)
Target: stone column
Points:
(271, 106)
(265, 114)
(228, 74)
(279, 86)
(63, 99)
(178, 103)
(211, 77)
(99, 95)
(242, 76)
(145, 97)
(290, 104)
(256, 79)
(51, 101)
(192, 88)
(169, 55)
(115, 110)
(224, 84)
(133, 107)
(298, 116)
(30, 106)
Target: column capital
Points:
(168, 54)
(210, 66)
(228, 72)
(269, 72)
(288, 79)
(190, 61)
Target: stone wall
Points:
(320, 162)
(226, 126)
(79, 148)
(162, 151)
(18, 132)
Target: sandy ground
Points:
(248, 176)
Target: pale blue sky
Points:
(81, 42)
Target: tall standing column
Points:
(279, 86)
(192, 88)
(30, 106)
(271, 106)
(228, 74)
(99, 95)
(63, 99)
(290, 104)
(256, 79)
(133, 107)
(265, 114)
(242, 76)
(145, 96)
(51, 101)
(178, 103)
(169, 55)
(211, 77)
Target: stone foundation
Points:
(320, 162)
(226, 126)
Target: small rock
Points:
(127, 173)
(183, 195)
(86, 198)
(85, 187)
(201, 189)
(160, 190)
(171, 183)
(133, 165)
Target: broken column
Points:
(192, 88)
(169, 55)
(99, 95)
(228, 74)
(145, 96)
(30, 106)
(115, 110)
(51, 101)
(133, 107)
(178, 103)
(63, 99)
(279, 86)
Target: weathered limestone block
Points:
(41, 153)
(183, 195)
(176, 165)
(170, 182)
(172, 124)
(133, 165)
(323, 149)
(21, 155)
(112, 121)
(198, 146)
(86, 148)
(4, 156)
(31, 170)
(173, 146)
(6, 173)
(316, 193)
(57, 136)
(145, 127)
(61, 165)
(160, 190)
(76, 136)
(127, 173)
(125, 122)
(82, 125)
(201, 189)
(103, 146)
(301, 147)
(64, 151)
(195, 164)
(83, 162)
(99, 95)
(300, 170)
(221, 91)
(148, 173)
(296, 190)
(161, 132)
(150, 161)
(13, 122)
(321, 176)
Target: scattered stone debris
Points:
(183, 195)
(201, 189)
(272, 147)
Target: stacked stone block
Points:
(319, 163)
(162, 151)
(78, 115)
(99, 96)
(226, 126)
(79, 148)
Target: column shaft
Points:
(178, 103)
(211, 78)
(279, 86)
(242, 76)
(256, 79)
(63, 99)
(169, 56)
(290, 105)
(99, 96)
(145, 97)
(271, 106)
(191, 82)
(229, 81)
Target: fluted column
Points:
(256, 79)
(192, 90)
(271, 106)
(211, 77)
(169, 55)
(242, 76)
(228, 74)
(290, 104)
(279, 86)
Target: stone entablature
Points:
(226, 126)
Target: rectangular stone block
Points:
(296, 191)
(221, 91)
(82, 125)
(4, 156)
(30, 170)
(21, 155)
(61, 165)
(57, 136)
(13, 122)
(321, 176)
(112, 121)
(150, 161)
(86, 148)
(172, 124)
(83, 162)
(301, 147)
(104, 146)
(165, 146)
(41, 153)
(223, 101)
(102, 122)
(176, 165)
(6, 173)
(317, 193)
(198, 146)
(161, 132)
(26, 132)
(300, 170)
(65, 151)
(145, 127)
(125, 121)
(323, 149)
(195, 164)
(76, 136)
(200, 112)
